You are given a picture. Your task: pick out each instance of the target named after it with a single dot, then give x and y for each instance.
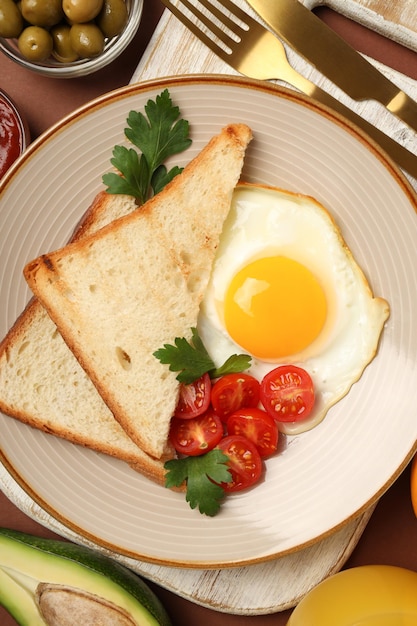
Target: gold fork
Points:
(244, 44)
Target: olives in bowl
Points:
(67, 38)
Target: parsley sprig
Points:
(158, 134)
(191, 360)
(199, 472)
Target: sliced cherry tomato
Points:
(257, 426)
(194, 398)
(245, 463)
(287, 393)
(197, 435)
(233, 392)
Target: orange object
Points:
(413, 484)
(370, 595)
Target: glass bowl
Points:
(112, 49)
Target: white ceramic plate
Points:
(325, 477)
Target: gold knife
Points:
(333, 57)
(254, 51)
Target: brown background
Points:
(391, 535)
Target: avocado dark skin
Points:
(47, 582)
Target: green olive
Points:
(44, 13)
(62, 50)
(81, 11)
(112, 17)
(35, 43)
(11, 21)
(87, 40)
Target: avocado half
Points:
(55, 583)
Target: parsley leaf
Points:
(199, 472)
(233, 365)
(158, 134)
(162, 134)
(192, 360)
(162, 177)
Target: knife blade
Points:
(303, 31)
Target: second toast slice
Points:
(43, 385)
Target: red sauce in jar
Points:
(13, 134)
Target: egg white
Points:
(265, 221)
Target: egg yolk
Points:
(274, 307)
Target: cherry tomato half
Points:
(287, 393)
(197, 435)
(194, 398)
(233, 392)
(245, 463)
(257, 426)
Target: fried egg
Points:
(285, 288)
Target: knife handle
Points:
(320, 46)
(402, 157)
(404, 108)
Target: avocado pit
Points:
(60, 605)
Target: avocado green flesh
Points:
(18, 602)
(28, 564)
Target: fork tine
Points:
(198, 32)
(236, 11)
(223, 17)
(208, 23)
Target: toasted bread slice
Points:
(42, 383)
(119, 295)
